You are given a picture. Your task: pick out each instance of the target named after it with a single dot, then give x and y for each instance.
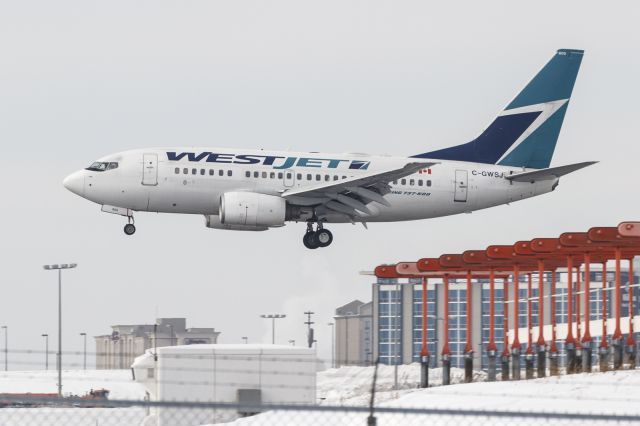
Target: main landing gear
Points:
(319, 238)
(130, 228)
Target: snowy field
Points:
(598, 393)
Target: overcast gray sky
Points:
(81, 79)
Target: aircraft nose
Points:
(75, 183)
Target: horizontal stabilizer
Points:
(550, 173)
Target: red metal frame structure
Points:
(575, 251)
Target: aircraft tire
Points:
(323, 237)
(309, 240)
(129, 229)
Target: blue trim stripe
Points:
(491, 144)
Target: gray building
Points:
(397, 315)
(126, 342)
(353, 339)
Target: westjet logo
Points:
(276, 162)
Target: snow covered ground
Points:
(614, 393)
(597, 393)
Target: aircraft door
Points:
(289, 178)
(149, 169)
(461, 186)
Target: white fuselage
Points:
(155, 181)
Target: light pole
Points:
(246, 339)
(59, 268)
(84, 363)
(6, 347)
(333, 356)
(46, 351)
(309, 323)
(273, 318)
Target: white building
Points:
(237, 374)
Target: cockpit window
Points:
(102, 166)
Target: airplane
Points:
(255, 190)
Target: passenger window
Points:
(289, 175)
(344, 177)
(194, 171)
(326, 178)
(256, 174)
(309, 177)
(220, 172)
(272, 175)
(247, 174)
(395, 182)
(411, 182)
(177, 170)
(299, 176)
(318, 177)
(403, 181)
(280, 175)
(202, 172)
(335, 177)
(211, 172)
(185, 171)
(264, 175)
(428, 183)
(229, 173)
(419, 182)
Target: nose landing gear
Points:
(319, 238)
(130, 228)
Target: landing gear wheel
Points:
(323, 237)
(129, 229)
(309, 240)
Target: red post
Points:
(569, 338)
(578, 304)
(617, 334)
(492, 343)
(445, 344)
(603, 341)
(505, 316)
(469, 346)
(553, 346)
(587, 298)
(631, 341)
(529, 316)
(516, 308)
(541, 341)
(424, 351)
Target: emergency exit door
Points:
(461, 187)
(149, 169)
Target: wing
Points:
(550, 173)
(352, 196)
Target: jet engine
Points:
(250, 209)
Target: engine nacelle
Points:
(213, 221)
(252, 209)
